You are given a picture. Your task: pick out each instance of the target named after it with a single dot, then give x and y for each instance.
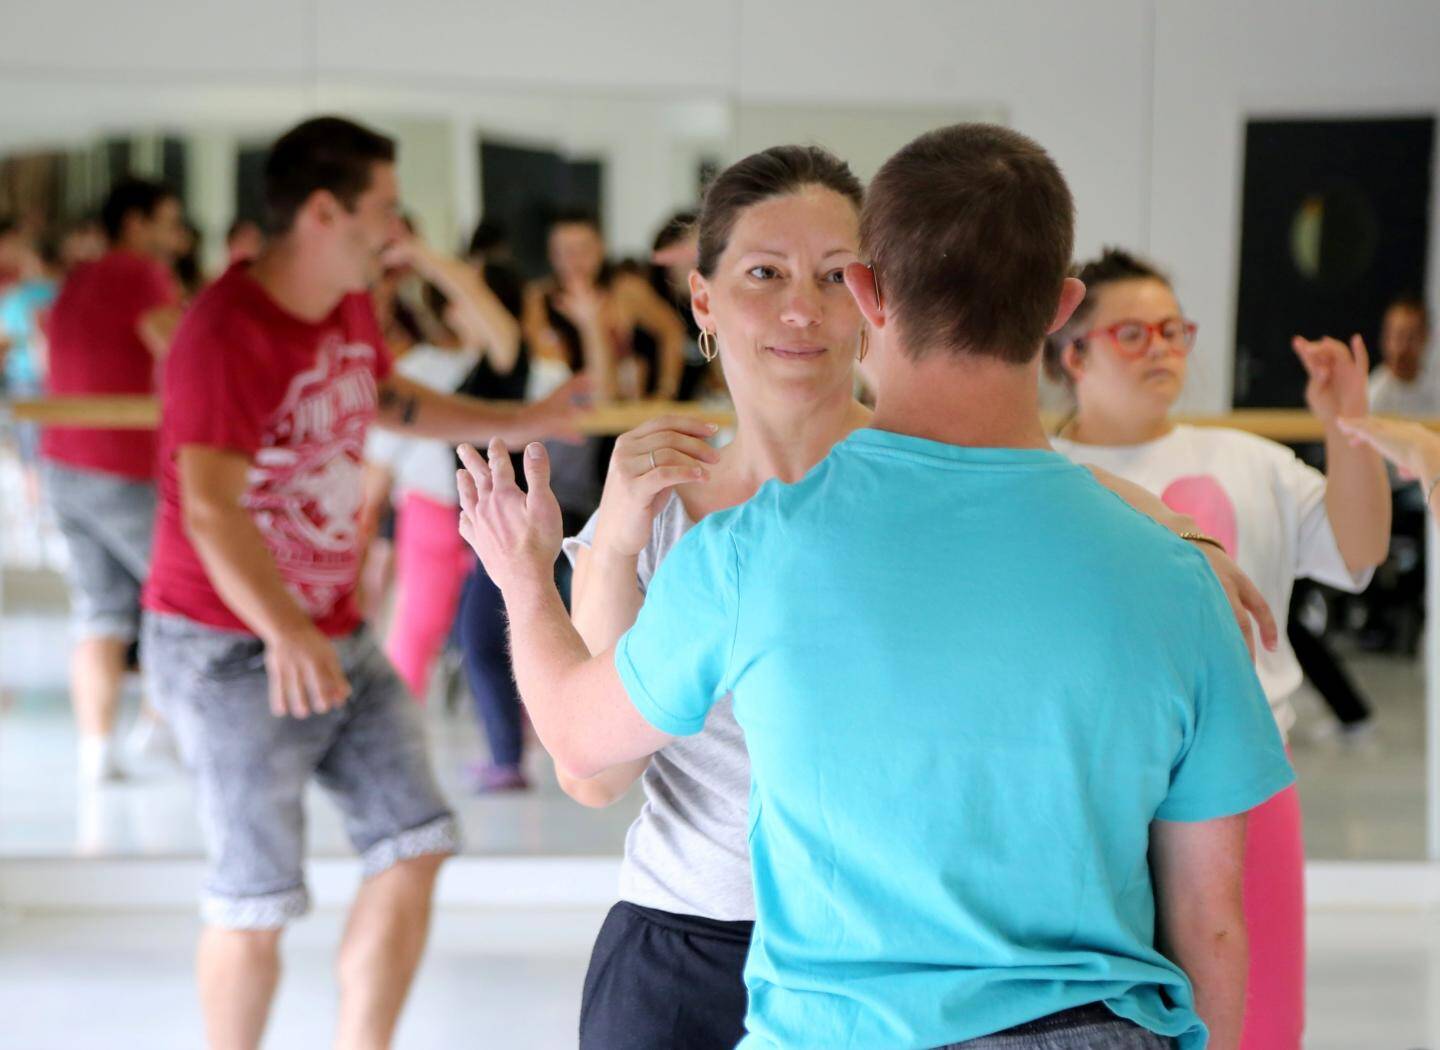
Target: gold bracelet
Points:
(1200, 537)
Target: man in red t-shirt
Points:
(253, 639)
(107, 329)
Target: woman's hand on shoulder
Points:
(647, 463)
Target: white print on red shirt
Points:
(305, 484)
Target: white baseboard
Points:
(77, 884)
(1372, 884)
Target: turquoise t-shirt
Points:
(969, 681)
(19, 307)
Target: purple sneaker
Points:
(486, 778)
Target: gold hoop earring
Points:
(709, 349)
(864, 343)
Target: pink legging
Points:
(1275, 921)
(431, 562)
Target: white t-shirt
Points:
(1259, 500)
(423, 465)
(688, 851)
(1390, 396)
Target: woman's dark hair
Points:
(403, 318)
(1111, 266)
(567, 216)
(676, 228)
(775, 172)
(488, 236)
(187, 266)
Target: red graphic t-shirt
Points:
(95, 348)
(296, 398)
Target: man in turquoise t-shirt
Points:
(1003, 730)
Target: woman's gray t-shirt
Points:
(688, 850)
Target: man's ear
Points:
(865, 290)
(1072, 294)
(321, 208)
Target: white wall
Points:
(1143, 102)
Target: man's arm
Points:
(303, 669)
(1197, 870)
(576, 701)
(422, 412)
(156, 328)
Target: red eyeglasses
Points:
(1134, 338)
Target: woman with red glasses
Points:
(1125, 356)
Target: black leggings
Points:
(661, 981)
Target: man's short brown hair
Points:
(970, 229)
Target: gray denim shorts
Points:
(251, 768)
(107, 522)
(1091, 1027)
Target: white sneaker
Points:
(151, 740)
(97, 761)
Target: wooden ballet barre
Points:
(143, 413)
(119, 412)
(1286, 425)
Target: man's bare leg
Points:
(238, 972)
(384, 939)
(97, 668)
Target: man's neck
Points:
(975, 401)
(294, 283)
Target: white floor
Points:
(511, 981)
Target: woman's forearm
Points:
(486, 322)
(599, 357)
(606, 598)
(1357, 501)
(1146, 502)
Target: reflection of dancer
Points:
(431, 562)
(903, 783)
(1407, 383)
(107, 328)
(671, 260)
(586, 315)
(1125, 354)
(253, 639)
(23, 306)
